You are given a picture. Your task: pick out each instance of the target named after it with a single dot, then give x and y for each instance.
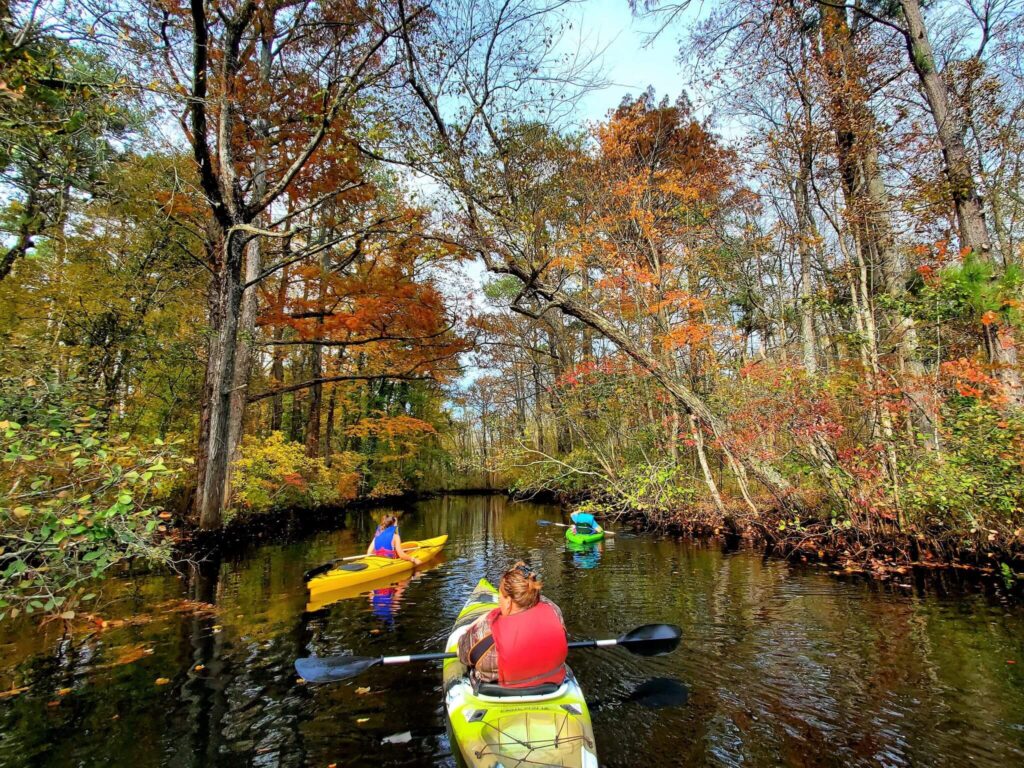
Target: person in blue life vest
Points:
(522, 642)
(584, 523)
(386, 541)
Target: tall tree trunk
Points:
(243, 359)
(868, 207)
(277, 365)
(806, 237)
(328, 446)
(966, 201)
(963, 191)
(561, 359)
(709, 478)
(214, 449)
(316, 353)
(538, 406)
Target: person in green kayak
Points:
(521, 643)
(387, 542)
(584, 523)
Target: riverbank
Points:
(842, 547)
(244, 527)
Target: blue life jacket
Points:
(384, 542)
(585, 522)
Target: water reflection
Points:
(782, 665)
(584, 556)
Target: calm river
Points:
(784, 665)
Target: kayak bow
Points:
(584, 538)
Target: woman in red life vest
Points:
(386, 541)
(521, 643)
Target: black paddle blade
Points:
(326, 567)
(652, 639)
(544, 522)
(660, 692)
(331, 669)
(314, 572)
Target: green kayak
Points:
(584, 538)
(493, 726)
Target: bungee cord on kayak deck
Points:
(535, 745)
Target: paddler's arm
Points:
(396, 542)
(369, 549)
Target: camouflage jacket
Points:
(486, 667)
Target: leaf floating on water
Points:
(361, 720)
(162, 681)
(364, 690)
(1010, 661)
(217, 628)
(128, 655)
(64, 691)
(300, 680)
(13, 692)
(199, 667)
(183, 605)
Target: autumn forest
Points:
(268, 255)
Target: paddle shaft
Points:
(313, 572)
(441, 656)
(646, 640)
(605, 531)
(360, 557)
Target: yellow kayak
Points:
(329, 595)
(373, 568)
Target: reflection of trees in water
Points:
(240, 698)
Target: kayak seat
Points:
(499, 691)
(493, 690)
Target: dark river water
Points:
(784, 665)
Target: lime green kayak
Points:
(584, 538)
(494, 726)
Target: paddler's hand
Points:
(415, 562)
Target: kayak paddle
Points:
(646, 640)
(563, 525)
(329, 565)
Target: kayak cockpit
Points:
(533, 693)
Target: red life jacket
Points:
(531, 646)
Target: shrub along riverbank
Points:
(959, 502)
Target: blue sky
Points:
(629, 66)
